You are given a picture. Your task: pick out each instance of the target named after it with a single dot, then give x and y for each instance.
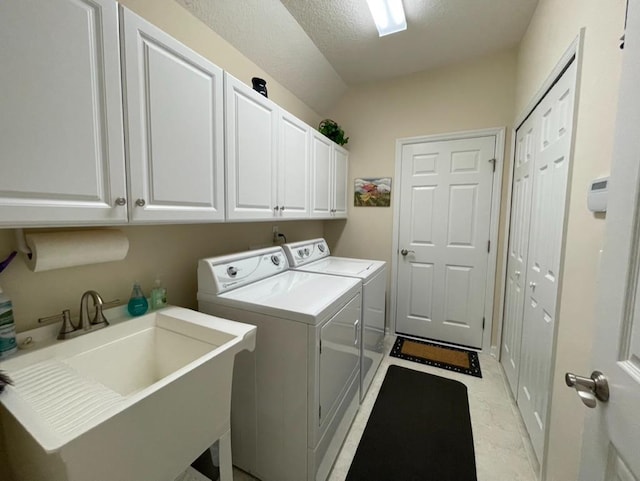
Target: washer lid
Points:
(344, 266)
(295, 295)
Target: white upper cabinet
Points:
(321, 160)
(293, 167)
(174, 110)
(329, 168)
(251, 153)
(339, 181)
(61, 133)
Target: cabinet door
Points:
(251, 152)
(339, 185)
(174, 109)
(321, 173)
(61, 135)
(293, 167)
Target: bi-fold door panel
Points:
(518, 250)
(554, 124)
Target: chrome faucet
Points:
(86, 322)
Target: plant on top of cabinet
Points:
(330, 129)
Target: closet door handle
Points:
(120, 201)
(356, 331)
(532, 285)
(517, 273)
(140, 202)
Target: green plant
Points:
(332, 130)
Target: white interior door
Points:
(551, 171)
(443, 231)
(611, 441)
(518, 250)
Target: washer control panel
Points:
(220, 274)
(301, 253)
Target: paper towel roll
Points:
(57, 250)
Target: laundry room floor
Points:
(502, 449)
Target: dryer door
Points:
(339, 358)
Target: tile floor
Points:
(502, 450)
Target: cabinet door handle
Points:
(281, 207)
(140, 202)
(120, 201)
(276, 208)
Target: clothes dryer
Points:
(295, 396)
(314, 256)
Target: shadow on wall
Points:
(333, 231)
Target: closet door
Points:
(551, 172)
(518, 249)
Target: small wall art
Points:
(372, 192)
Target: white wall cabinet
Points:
(175, 138)
(293, 167)
(329, 167)
(61, 132)
(267, 154)
(63, 138)
(251, 152)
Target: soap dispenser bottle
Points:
(138, 304)
(158, 295)
(7, 327)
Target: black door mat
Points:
(419, 430)
(445, 357)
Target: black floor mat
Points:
(419, 430)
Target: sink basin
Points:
(138, 400)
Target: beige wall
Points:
(474, 95)
(554, 26)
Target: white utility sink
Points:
(136, 401)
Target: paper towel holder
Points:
(22, 243)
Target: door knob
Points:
(121, 201)
(404, 252)
(589, 388)
(140, 202)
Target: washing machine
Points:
(314, 256)
(295, 396)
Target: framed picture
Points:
(374, 192)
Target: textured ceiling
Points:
(316, 48)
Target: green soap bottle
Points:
(158, 295)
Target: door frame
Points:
(574, 50)
(496, 195)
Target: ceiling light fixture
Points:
(388, 16)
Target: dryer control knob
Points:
(321, 247)
(232, 271)
(275, 259)
(300, 253)
(306, 251)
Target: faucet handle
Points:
(113, 303)
(99, 318)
